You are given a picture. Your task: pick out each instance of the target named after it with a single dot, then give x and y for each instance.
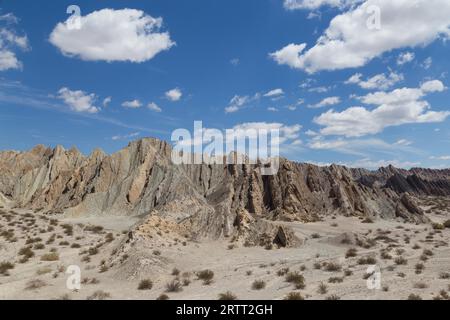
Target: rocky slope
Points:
(211, 200)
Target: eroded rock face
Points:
(212, 200)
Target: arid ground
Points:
(157, 262)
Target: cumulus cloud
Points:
(174, 95)
(379, 81)
(154, 107)
(133, 104)
(112, 35)
(401, 106)
(353, 44)
(9, 41)
(405, 57)
(274, 93)
(78, 100)
(330, 101)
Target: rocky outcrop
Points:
(212, 200)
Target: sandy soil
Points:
(413, 260)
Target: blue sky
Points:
(364, 95)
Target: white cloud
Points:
(288, 134)
(321, 89)
(239, 102)
(112, 35)
(154, 107)
(272, 109)
(427, 63)
(174, 94)
(235, 61)
(405, 57)
(349, 43)
(379, 81)
(274, 93)
(315, 4)
(9, 40)
(133, 104)
(125, 137)
(330, 101)
(78, 100)
(375, 164)
(107, 101)
(444, 158)
(404, 142)
(358, 147)
(401, 106)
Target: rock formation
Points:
(212, 200)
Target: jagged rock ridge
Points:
(213, 200)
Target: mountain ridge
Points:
(214, 200)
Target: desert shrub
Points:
(428, 252)
(68, 229)
(52, 256)
(282, 272)
(413, 296)
(227, 296)
(163, 297)
(323, 289)
(315, 236)
(336, 280)
(367, 220)
(348, 272)
(99, 295)
(35, 284)
(420, 285)
(175, 272)
(39, 246)
(438, 226)
(367, 261)
(297, 279)
(332, 267)
(43, 270)
(26, 252)
(352, 252)
(333, 297)
(447, 224)
(145, 284)
(444, 275)
(93, 251)
(294, 296)
(206, 276)
(400, 261)
(94, 229)
(75, 246)
(157, 252)
(103, 268)
(109, 237)
(174, 286)
(5, 267)
(258, 285)
(317, 265)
